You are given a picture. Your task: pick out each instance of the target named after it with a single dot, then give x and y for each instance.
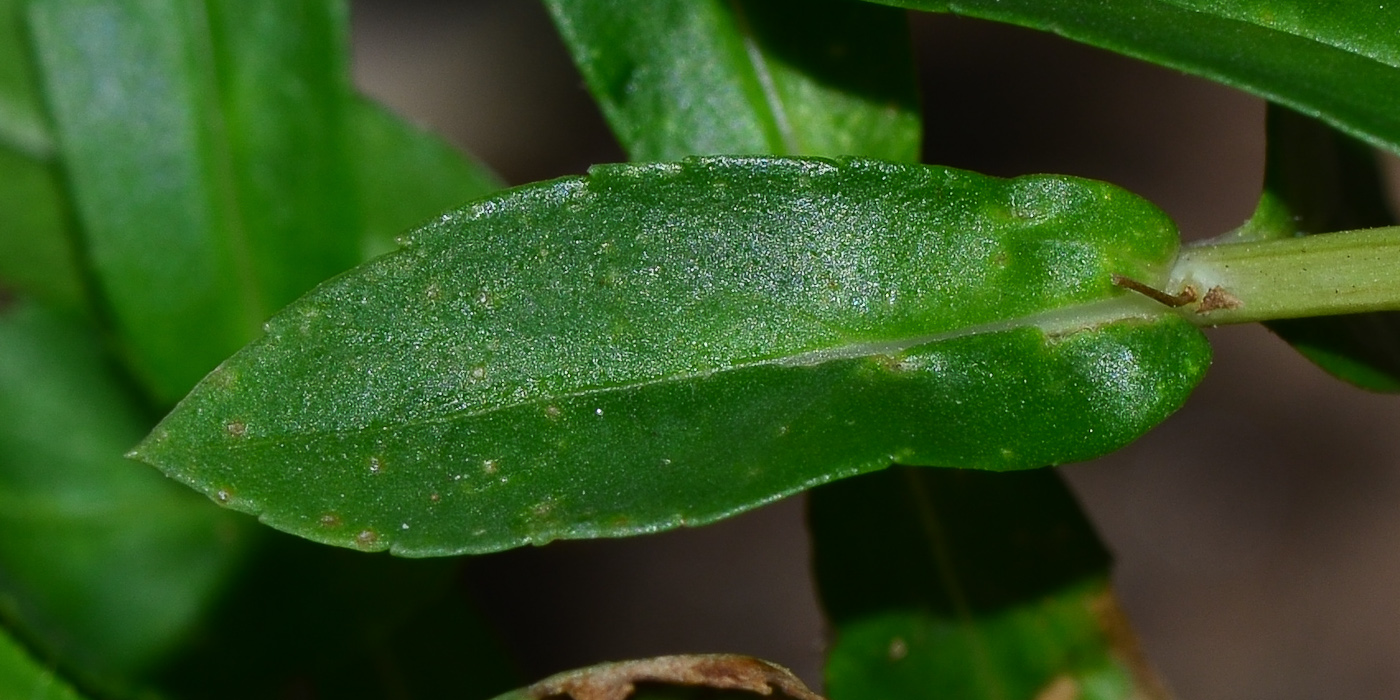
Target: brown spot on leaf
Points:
(366, 538)
(1217, 299)
(616, 681)
(330, 520)
(236, 428)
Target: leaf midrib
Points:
(1054, 323)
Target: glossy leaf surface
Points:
(406, 175)
(1338, 61)
(1318, 180)
(667, 344)
(963, 584)
(23, 678)
(204, 143)
(779, 77)
(103, 562)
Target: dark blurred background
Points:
(1257, 542)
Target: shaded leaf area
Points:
(37, 256)
(104, 564)
(1318, 180)
(36, 251)
(22, 122)
(961, 584)
(22, 677)
(311, 621)
(405, 174)
(204, 143)
(780, 77)
(668, 344)
(1338, 61)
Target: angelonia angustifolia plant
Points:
(774, 297)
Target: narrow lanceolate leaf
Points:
(104, 565)
(24, 678)
(204, 145)
(1318, 180)
(1338, 61)
(668, 344)
(780, 77)
(406, 175)
(36, 252)
(971, 585)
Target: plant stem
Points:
(1323, 275)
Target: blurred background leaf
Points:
(23, 678)
(1338, 61)
(36, 246)
(773, 77)
(947, 583)
(306, 620)
(204, 144)
(406, 174)
(1318, 180)
(104, 564)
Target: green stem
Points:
(1323, 275)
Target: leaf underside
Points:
(668, 344)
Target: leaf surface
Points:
(1318, 180)
(204, 143)
(23, 127)
(1338, 61)
(36, 252)
(21, 677)
(779, 77)
(667, 344)
(103, 563)
(962, 584)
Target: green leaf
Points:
(36, 251)
(1338, 61)
(781, 77)
(970, 585)
(204, 143)
(21, 677)
(406, 175)
(103, 563)
(1318, 180)
(36, 246)
(667, 344)
(23, 127)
